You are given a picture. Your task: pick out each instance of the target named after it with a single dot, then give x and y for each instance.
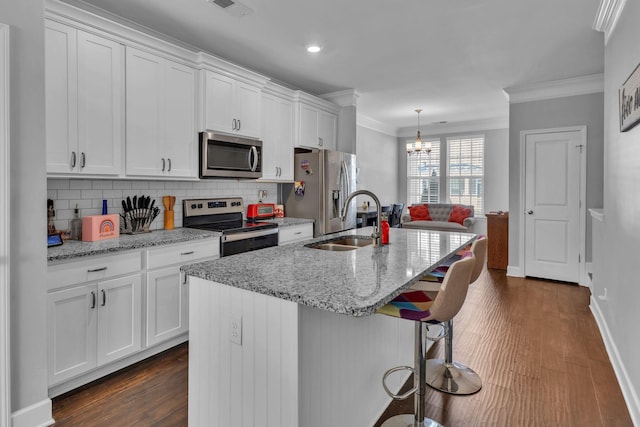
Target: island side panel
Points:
(248, 384)
(343, 359)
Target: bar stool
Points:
(419, 307)
(446, 374)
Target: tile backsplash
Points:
(88, 194)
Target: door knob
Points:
(530, 212)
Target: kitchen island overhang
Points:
(284, 336)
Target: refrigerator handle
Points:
(344, 184)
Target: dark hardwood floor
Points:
(534, 343)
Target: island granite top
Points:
(354, 283)
(72, 249)
(288, 221)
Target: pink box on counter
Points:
(100, 227)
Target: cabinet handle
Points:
(93, 299)
(104, 298)
(320, 142)
(239, 124)
(83, 160)
(163, 164)
(298, 232)
(73, 159)
(94, 270)
(185, 281)
(233, 124)
(187, 253)
(169, 168)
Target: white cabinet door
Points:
(100, 105)
(327, 128)
(61, 108)
(231, 106)
(219, 94)
(72, 318)
(277, 139)
(144, 113)
(307, 126)
(119, 318)
(180, 136)
(160, 130)
(167, 305)
(84, 107)
(247, 109)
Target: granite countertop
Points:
(354, 283)
(288, 221)
(72, 249)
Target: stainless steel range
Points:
(225, 215)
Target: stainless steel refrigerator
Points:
(323, 180)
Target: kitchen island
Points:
(284, 336)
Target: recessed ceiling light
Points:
(314, 48)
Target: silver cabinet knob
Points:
(530, 212)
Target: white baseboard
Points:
(514, 271)
(37, 415)
(628, 390)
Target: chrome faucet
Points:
(376, 229)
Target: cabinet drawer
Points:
(295, 233)
(183, 253)
(91, 269)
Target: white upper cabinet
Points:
(160, 132)
(277, 138)
(317, 126)
(84, 92)
(231, 105)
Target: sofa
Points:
(439, 216)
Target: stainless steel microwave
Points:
(229, 156)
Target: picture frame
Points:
(629, 101)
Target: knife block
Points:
(168, 220)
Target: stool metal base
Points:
(408, 420)
(452, 378)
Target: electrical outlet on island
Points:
(235, 329)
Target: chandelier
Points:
(418, 147)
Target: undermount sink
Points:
(348, 243)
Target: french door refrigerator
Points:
(323, 180)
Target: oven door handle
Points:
(248, 235)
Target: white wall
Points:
(621, 237)
(377, 159)
(30, 403)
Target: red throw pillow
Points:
(459, 213)
(419, 213)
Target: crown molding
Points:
(344, 98)
(375, 125)
(607, 17)
(555, 89)
(458, 127)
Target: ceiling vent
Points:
(232, 7)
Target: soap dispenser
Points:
(76, 225)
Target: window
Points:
(465, 171)
(423, 175)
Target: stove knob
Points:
(193, 206)
(199, 205)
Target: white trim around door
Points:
(521, 270)
(5, 388)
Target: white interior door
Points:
(552, 205)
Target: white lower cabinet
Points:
(167, 298)
(295, 233)
(167, 305)
(93, 324)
